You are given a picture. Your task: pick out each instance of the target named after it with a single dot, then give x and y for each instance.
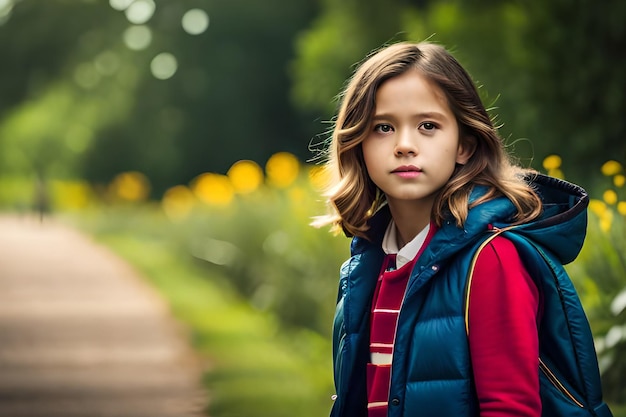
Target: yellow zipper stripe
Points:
(555, 381)
(470, 275)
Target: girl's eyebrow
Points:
(424, 115)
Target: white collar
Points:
(405, 254)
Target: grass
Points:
(254, 368)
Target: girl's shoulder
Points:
(500, 263)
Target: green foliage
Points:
(42, 43)
(322, 64)
(553, 69)
(468, 30)
(600, 272)
(55, 99)
(76, 101)
(577, 84)
(485, 38)
(48, 136)
(253, 367)
(18, 193)
(264, 244)
(604, 262)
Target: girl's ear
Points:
(467, 146)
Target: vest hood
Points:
(562, 226)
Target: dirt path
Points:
(82, 335)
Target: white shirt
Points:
(406, 253)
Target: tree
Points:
(577, 71)
(484, 38)
(227, 101)
(226, 98)
(49, 118)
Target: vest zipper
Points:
(557, 384)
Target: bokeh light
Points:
(86, 75)
(552, 162)
(164, 66)
(71, 195)
(556, 173)
(6, 6)
(619, 180)
(245, 176)
(195, 21)
(107, 63)
(319, 177)
(606, 221)
(605, 216)
(140, 11)
(138, 37)
(598, 207)
(130, 186)
(178, 202)
(213, 189)
(610, 197)
(282, 169)
(610, 168)
(120, 5)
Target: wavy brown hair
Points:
(352, 196)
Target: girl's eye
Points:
(428, 126)
(383, 128)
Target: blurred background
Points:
(189, 130)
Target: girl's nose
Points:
(405, 144)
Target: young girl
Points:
(422, 177)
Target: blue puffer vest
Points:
(431, 370)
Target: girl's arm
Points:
(503, 316)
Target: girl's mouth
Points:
(407, 171)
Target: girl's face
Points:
(413, 145)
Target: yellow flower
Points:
(597, 207)
(610, 197)
(282, 169)
(552, 162)
(606, 220)
(611, 168)
(556, 173)
(319, 177)
(177, 202)
(71, 194)
(621, 208)
(213, 189)
(245, 176)
(605, 216)
(619, 180)
(131, 186)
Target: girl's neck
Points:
(410, 219)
